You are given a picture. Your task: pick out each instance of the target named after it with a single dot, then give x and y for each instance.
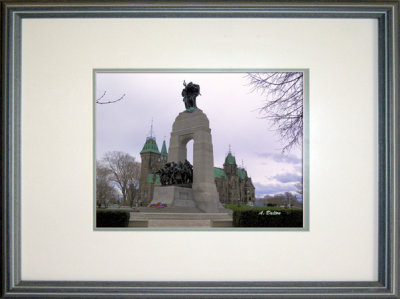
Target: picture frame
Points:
(386, 13)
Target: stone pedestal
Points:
(161, 219)
(195, 126)
(173, 196)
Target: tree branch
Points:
(98, 101)
(283, 103)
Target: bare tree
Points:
(105, 192)
(287, 199)
(125, 172)
(299, 188)
(133, 192)
(283, 103)
(290, 198)
(101, 101)
(274, 200)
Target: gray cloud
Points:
(288, 177)
(281, 158)
(298, 168)
(272, 188)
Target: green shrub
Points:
(243, 207)
(112, 218)
(262, 218)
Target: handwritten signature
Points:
(272, 213)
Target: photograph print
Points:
(199, 150)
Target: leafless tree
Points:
(290, 198)
(125, 172)
(299, 188)
(133, 191)
(101, 101)
(287, 199)
(105, 192)
(283, 105)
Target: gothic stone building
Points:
(233, 183)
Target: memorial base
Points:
(168, 218)
(173, 197)
(175, 207)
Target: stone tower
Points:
(152, 160)
(230, 166)
(231, 171)
(233, 182)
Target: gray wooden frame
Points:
(387, 14)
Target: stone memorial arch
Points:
(189, 201)
(195, 126)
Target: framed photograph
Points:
(200, 149)
(194, 177)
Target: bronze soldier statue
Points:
(176, 173)
(190, 93)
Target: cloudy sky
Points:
(229, 104)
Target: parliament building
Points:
(233, 183)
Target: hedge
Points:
(260, 218)
(112, 218)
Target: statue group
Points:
(176, 173)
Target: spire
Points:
(151, 128)
(151, 131)
(164, 149)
